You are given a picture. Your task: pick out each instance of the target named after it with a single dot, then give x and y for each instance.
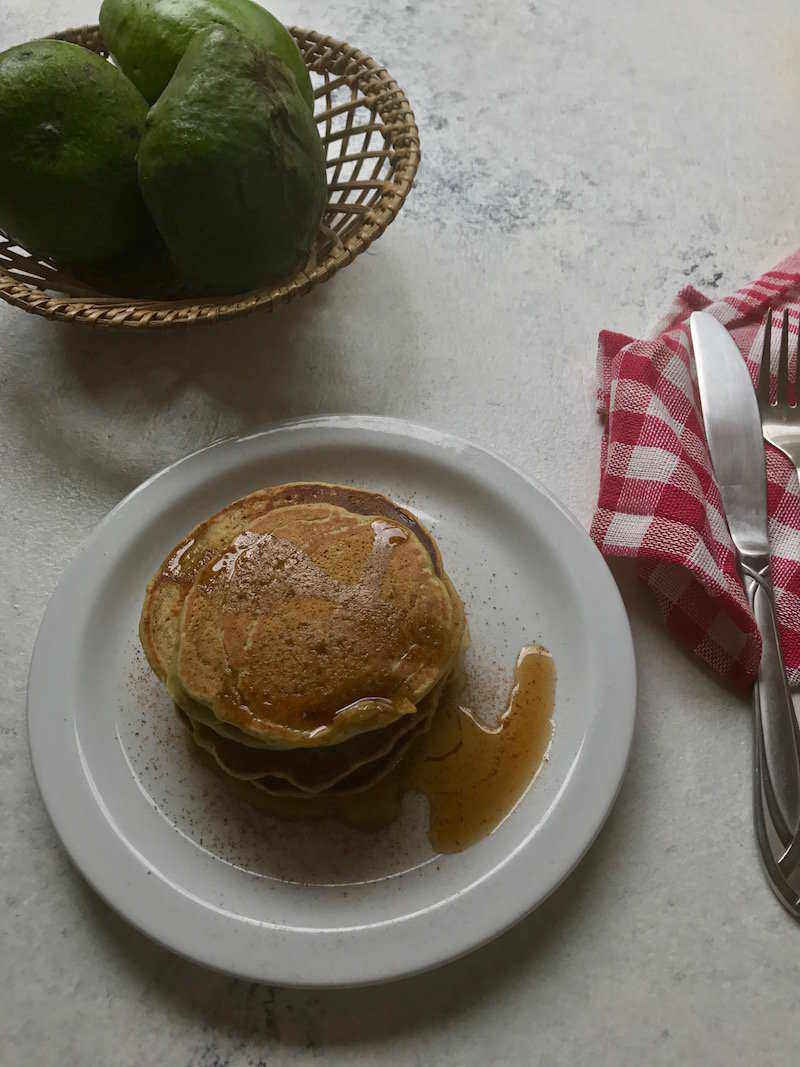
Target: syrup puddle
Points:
(474, 773)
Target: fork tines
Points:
(785, 391)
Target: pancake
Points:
(302, 772)
(311, 769)
(305, 633)
(358, 781)
(316, 624)
(158, 626)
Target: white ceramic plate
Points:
(164, 842)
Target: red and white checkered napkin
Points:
(659, 501)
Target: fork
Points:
(780, 424)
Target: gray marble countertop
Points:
(581, 162)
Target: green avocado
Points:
(231, 166)
(70, 125)
(148, 37)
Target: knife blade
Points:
(736, 446)
(733, 433)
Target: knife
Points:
(736, 446)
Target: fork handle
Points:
(773, 707)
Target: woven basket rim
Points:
(389, 103)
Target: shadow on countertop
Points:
(118, 405)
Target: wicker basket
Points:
(372, 147)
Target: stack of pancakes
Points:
(305, 633)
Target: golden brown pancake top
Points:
(316, 623)
(158, 627)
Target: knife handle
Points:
(774, 710)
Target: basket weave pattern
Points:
(372, 147)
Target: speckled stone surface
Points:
(582, 161)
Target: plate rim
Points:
(159, 932)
